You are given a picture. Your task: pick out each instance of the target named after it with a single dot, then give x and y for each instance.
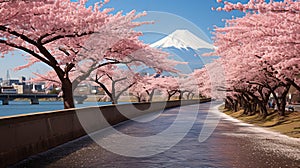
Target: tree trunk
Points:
(282, 101)
(190, 96)
(227, 105)
(254, 107)
(281, 107)
(150, 95)
(293, 83)
(67, 94)
(247, 104)
(169, 97)
(180, 95)
(230, 103)
(263, 109)
(139, 98)
(114, 101)
(106, 91)
(235, 106)
(113, 98)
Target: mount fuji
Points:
(184, 46)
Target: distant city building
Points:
(38, 87)
(23, 89)
(22, 80)
(10, 82)
(22, 86)
(8, 90)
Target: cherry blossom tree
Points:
(44, 29)
(166, 86)
(40, 28)
(146, 88)
(112, 80)
(131, 53)
(187, 87)
(71, 38)
(170, 86)
(260, 51)
(202, 83)
(274, 26)
(139, 92)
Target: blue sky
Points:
(197, 12)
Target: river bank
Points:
(288, 125)
(232, 144)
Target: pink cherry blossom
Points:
(260, 51)
(75, 40)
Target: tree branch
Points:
(121, 92)
(67, 35)
(23, 37)
(27, 51)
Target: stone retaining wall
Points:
(26, 135)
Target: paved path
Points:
(232, 144)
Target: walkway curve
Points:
(233, 144)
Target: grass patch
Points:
(288, 125)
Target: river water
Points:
(24, 107)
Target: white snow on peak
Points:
(182, 39)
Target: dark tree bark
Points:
(293, 83)
(113, 95)
(171, 93)
(67, 94)
(281, 100)
(150, 94)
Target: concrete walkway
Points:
(232, 144)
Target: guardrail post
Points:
(34, 101)
(5, 101)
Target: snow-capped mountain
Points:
(186, 47)
(182, 39)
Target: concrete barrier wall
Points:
(26, 135)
